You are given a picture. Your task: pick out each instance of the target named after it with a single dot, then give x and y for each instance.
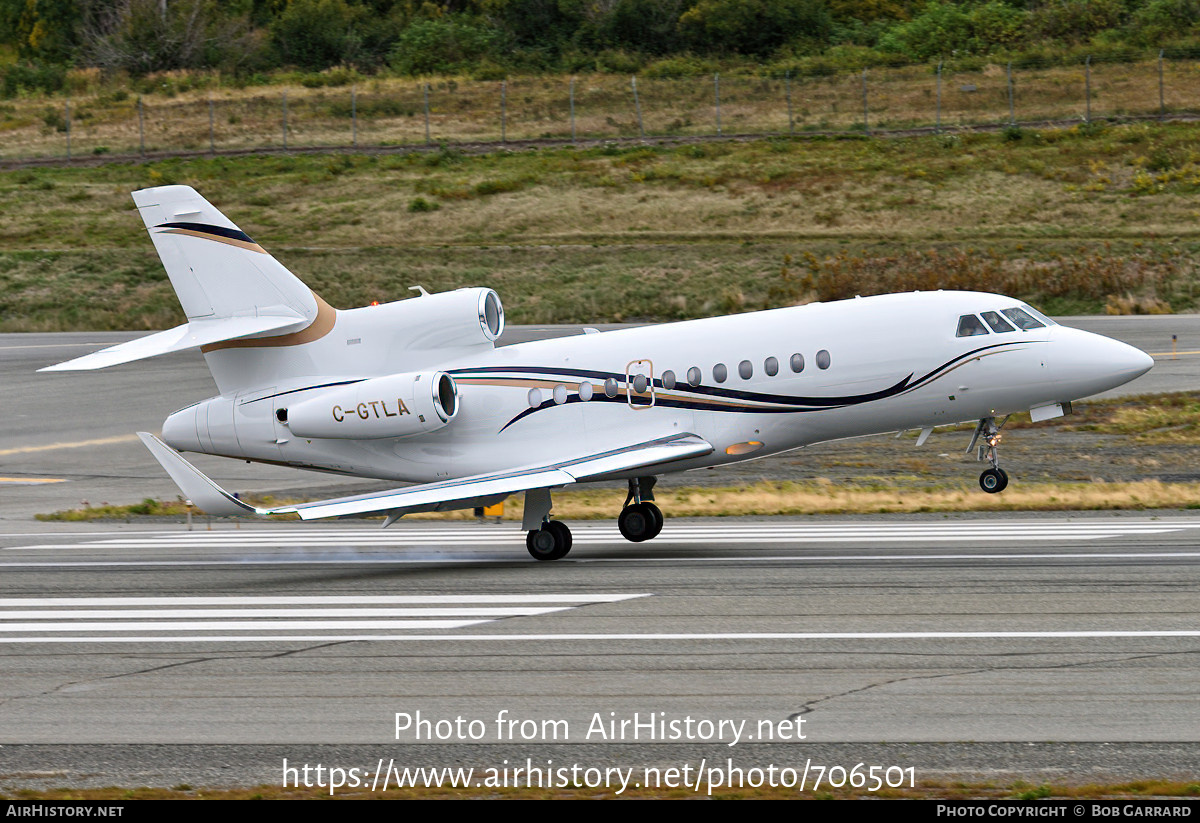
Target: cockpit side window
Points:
(1023, 319)
(1037, 315)
(999, 324)
(969, 325)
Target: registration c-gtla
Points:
(416, 391)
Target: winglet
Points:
(195, 485)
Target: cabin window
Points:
(560, 394)
(822, 359)
(668, 379)
(797, 363)
(746, 369)
(610, 387)
(534, 398)
(969, 326)
(694, 376)
(771, 366)
(1023, 319)
(999, 324)
(720, 373)
(640, 383)
(585, 391)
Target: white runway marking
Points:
(116, 618)
(649, 636)
(691, 534)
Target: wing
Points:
(464, 492)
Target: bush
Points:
(755, 27)
(442, 46)
(317, 34)
(31, 77)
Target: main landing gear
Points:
(987, 436)
(547, 539)
(551, 542)
(640, 519)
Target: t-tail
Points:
(261, 328)
(232, 291)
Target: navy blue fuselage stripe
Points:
(904, 384)
(797, 405)
(219, 231)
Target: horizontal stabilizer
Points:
(210, 497)
(188, 336)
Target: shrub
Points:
(442, 46)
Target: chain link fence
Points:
(397, 114)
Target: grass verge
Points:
(767, 498)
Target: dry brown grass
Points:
(768, 498)
(392, 110)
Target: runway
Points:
(1039, 646)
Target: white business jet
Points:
(417, 391)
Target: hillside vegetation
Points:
(249, 39)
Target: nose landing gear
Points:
(987, 436)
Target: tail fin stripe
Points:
(231, 237)
(321, 325)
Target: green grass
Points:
(1062, 218)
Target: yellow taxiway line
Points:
(101, 441)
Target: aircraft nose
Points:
(1093, 363)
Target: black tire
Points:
(657, 514)
(638, 523)
(993, 481)
(551, 542)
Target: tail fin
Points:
(231, 290)
(216, 269)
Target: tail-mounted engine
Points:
(394, 406)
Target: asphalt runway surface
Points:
(1045, 647)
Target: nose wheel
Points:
(987, 436)
(993, 480)
(551, 542)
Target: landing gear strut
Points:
(987, 436)
(640, 520)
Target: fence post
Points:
(637, 106)
(717, 97)
(141, 128)
(285, 121)
(572, 96)
(354, 116)
(866, 121)
(1012, 111)
(426, 90)
(787, 77)
(1162, 106)
(1087, 69)
(504, 111)
(68, 119)
(937, 120)
(212, 140)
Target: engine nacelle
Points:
(466, 317)
(394, 406)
